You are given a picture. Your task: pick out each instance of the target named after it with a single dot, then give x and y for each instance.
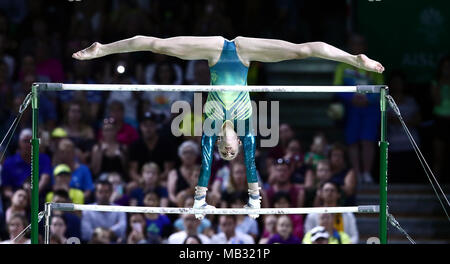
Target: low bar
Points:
(208, 88)
(216, 211)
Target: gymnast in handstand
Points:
(225, 110)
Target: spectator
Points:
(72, 220)
(314, 181)
(317, 235)
(109, 155)
(318, 150)
(190, 229)
(17, 168)
(158, 225)
(283, 200)
(244, 223)
(229, 234)
(63, 175)
(120, 195)
(343, 175)
(17, 223)
(126, 134)
(150, 182)
(280, 179)
(440, 93)
(160, 102)
(183, 179)
(136, 229)
(284, 233)
(19, 205)
(286, 134)
(362, 111)
(81, 175)
(77, 128)
(298, 168)
(151, 147)
(58, 228)
(329, 194)
(400, 149)
(103, 235)
(205, 226)
(91, 220)
(270, 224)
(335, 236)
(192, 240)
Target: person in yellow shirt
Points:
(326, 225)
(63, 174)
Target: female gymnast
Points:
(229, 62)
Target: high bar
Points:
(208, 88)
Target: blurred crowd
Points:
(117, 147)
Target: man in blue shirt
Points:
(17, 168)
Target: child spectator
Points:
(283, 200)
(58, 229)
(229, 234)
(284, 233)
(19, 205)
(158, 225)
(150, 182)
(270, 224)
(17, 223)
(136, 229)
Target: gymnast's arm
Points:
(273, 50)
(187, 48)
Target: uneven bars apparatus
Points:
(38, 87)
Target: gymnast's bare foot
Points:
(88, 53)
(368, 64)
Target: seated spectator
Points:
(19, 205)
(158, 225)
(284, 233)
(78, 130)
(298, 168)
(114, 221)
(17, 168)
(192, 240)
(229, 234)
(182, 180)
(103, 235)
(343, 175)
(244, 223)
(281, 182)
(282, 200)
(318, 150)
(270, 224)
(136, 229)
(190, 229)
(329, 195)
(150, 182)
(109, 155)
(72, 219)
(81, 174)
(205, 226)
(314, 181)
(119, 195)
(151, 147)
(17, 223)
(58, 229)
(335, 236)
(63, 175)
(317, 235)
(126, 134)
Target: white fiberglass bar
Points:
(216, 211)
(208, 88)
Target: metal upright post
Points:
(35, 164)
(383, 169)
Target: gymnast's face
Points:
(228, 144)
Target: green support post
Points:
(383, 169)
(35, 165)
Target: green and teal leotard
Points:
(229, 105)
